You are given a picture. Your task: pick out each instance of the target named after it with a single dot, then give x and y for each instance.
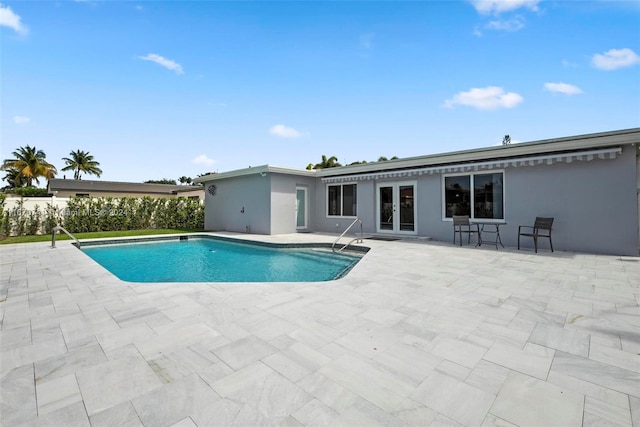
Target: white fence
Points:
(30, 203)
(35, 215)
(30, 222)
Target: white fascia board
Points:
(291, 171)
(264, 169)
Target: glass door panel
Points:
(301, 208)
(386, 208)
(406, 208)
(396, 208)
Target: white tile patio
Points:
(418, 333)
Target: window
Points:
(342, 200)
(457, 195)
(479, 195)
(487, 196)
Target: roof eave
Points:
(262, 170)
(58, 184)
(578, 142)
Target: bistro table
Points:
(492, 228)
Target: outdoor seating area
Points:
(462, 224)
(418, 333)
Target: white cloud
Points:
(499, 6)
(488, 98)
(11, 20)
(284, 131)
(511, 25)
(166, 63)
(21, 120)
(565, 88)
(203, 160)
(615, 58)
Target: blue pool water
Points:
(211, 260)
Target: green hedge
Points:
(18, 221)
(86, 214)
(30, 192)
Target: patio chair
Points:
(461, 225)
(541, 228)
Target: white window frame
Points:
(341, 185)
(396, 214)
(471, 185)
(306, 207)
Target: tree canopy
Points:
(327, 162)
(12, 177)
(332, 162)
(384, 159)
(81, 162)
(28, 165)
(161, 181)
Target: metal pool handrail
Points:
(357, 239)
(59, 228)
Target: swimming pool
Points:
(209, 259)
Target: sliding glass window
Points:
(342, 200)
(478, 195)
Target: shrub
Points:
(3, 219)
(52, 217)
(86, 214)
(18, 219)
(6, 224)
(33, 221)
(31, 192)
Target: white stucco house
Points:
(588, 183)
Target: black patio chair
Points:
(541, 228)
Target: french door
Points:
(396, 208)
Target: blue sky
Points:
(159, 89)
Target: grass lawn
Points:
(93, 235)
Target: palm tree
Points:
(331, 162)
(30, 164)
(13, 178)
(184, 180)
(80, 162)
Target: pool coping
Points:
(352, 251)
(274, 245)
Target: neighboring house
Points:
(588, 183)
(87, 188)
